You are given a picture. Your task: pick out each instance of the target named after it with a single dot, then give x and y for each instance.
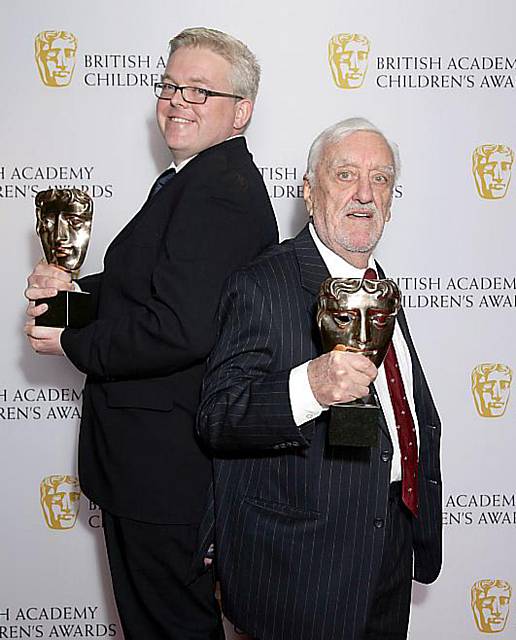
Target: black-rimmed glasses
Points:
(193, 95)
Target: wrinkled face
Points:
(494, 175)
(491, 393)
(65, 236)
(61, 505)
(351, 198)
(491, 610)
(363, 320)
(350, 60)
(191, 128)
(57, 62)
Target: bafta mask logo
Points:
(491, 387)
(492, 166)
(490, 600)
(348, 55)
(60, 501)
(55, 57)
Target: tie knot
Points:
(370, 274)
(161, 181)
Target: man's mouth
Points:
(360, 214)
(180, 120)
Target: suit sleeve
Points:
(246, 403)
(211, 232)
(91, 284)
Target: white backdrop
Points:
(451, 248)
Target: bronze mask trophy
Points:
(63, 224)
(357, 315)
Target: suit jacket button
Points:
(379, 522)
(386, 456)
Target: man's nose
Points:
(177, 99)
(364, 193)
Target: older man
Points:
(145, 353)
(313, 540)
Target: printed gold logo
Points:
(55, 57)
(60, 501)
(491, 387)
(492, 168)
(490, 601)
(348, 55)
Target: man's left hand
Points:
(44, 340)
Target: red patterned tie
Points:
(404, 424)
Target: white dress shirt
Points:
(302, 400)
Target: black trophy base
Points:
(353, 425)
(68, 309)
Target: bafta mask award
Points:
(63, 224)
(357, 315)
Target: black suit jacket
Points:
(299, 525)
(145, 353)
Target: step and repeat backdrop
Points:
(77, 110)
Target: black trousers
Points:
(388, 617)
(149, 566)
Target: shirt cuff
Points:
(303, 404)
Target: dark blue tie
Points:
(161, 181)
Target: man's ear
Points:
(243, 112)
(307, 194)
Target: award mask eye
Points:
(342, 319)
(380, 320)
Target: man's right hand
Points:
(44, 282)
(338, 376)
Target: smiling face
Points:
(351, 195)
(190, 128)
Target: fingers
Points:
(46, 280)
(340, 377)
(44, 340)
(36, 293)
(35, 310)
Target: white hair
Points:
(337, 132)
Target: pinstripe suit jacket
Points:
(299, 525)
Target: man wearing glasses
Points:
(145, 353)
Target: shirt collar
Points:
(183, 163)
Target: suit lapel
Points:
(311, 266)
